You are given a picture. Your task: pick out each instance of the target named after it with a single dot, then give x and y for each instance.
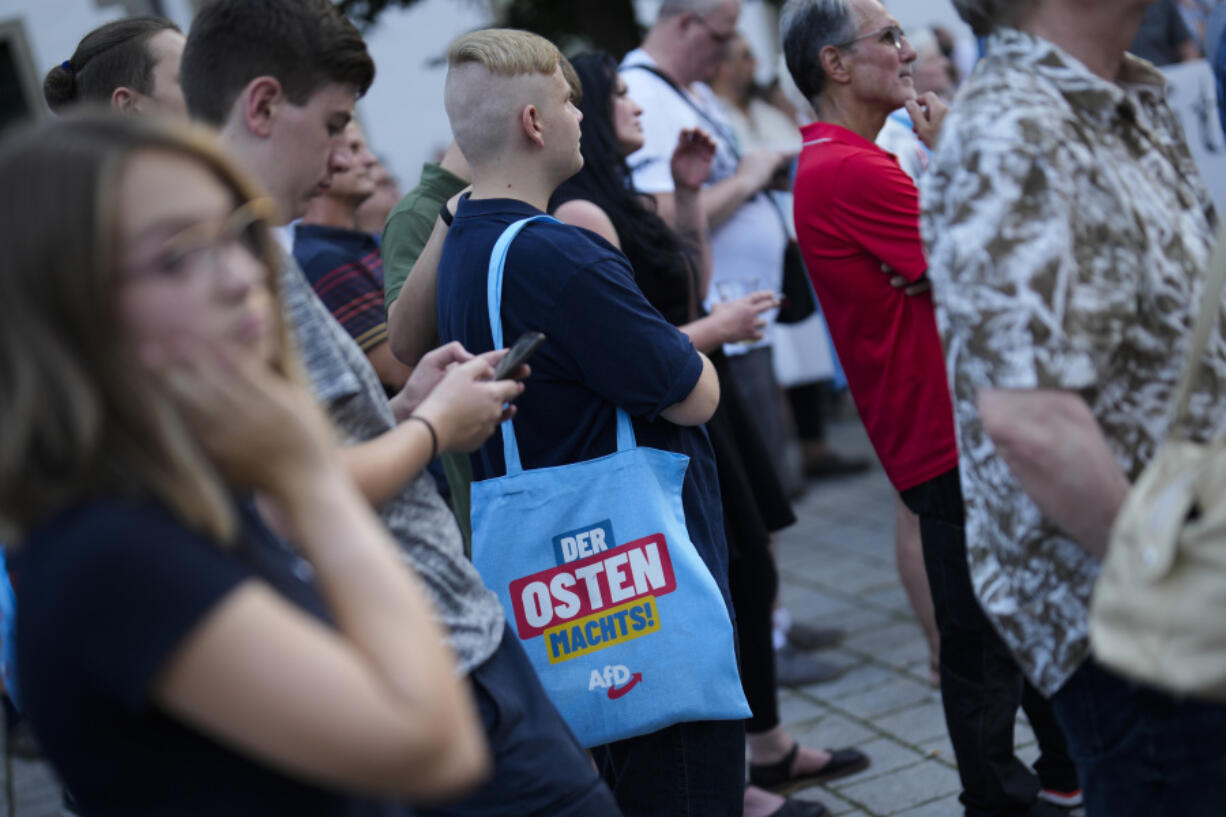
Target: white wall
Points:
(403, 113)
(54, 27)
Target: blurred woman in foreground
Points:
(176, 656)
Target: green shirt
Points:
(410, 223)
(404, 237)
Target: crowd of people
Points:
(256, 413)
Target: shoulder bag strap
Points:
(493, 293)
(1206, 322)
(705, 116)
(729, 138)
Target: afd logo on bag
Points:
(615, 681)
(598, 595)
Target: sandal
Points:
(778, 776)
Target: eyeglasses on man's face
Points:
(718, 37)
(893, 35)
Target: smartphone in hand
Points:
(524, 346)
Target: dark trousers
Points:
(540, 770)
(1140, 752)
(808, 410)
(694, 769)
(981, 684)
(754, 374)
(754, 582)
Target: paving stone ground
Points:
(837, 569)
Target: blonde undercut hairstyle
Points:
(480, 119)
(82, 416)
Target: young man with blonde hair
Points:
(510, 97)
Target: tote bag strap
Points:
(1206, 322)
(493, 293)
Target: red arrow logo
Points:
(617, 692)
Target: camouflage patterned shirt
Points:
(1068, 232)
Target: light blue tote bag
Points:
(618, 613)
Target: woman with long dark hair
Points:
(673, 270)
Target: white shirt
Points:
(747, 248)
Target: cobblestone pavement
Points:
(837, 569)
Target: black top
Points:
(107, 591)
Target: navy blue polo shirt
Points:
(607, 347)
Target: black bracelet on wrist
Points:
(433, 434)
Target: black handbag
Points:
(799, 299)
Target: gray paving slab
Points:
(833, 730)
(943, 807)
(888, 756)
(878, 641)
(862, 677)
(799, 709)
(895, 694)
(916, 724)
(903, 789)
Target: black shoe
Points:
(804, 637)
(831, 464)
(794, 668)
(778, 776)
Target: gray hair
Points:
(671, 8)
(808, 26)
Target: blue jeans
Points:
(1140, 752)
(694, 769)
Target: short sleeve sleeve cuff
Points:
(132, 584)
(686, 380)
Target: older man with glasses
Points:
(857, 221)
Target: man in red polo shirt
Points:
(857, 221)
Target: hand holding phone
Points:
(524, 346)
